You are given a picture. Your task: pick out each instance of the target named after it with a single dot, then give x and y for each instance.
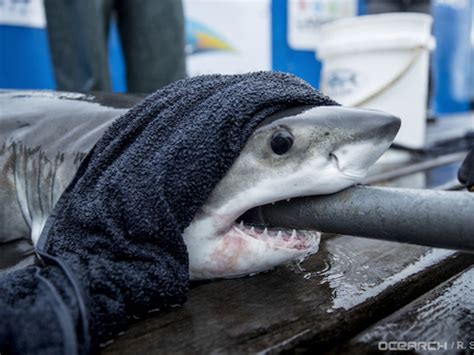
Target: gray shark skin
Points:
(44, 136)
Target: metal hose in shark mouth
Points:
(298, 152)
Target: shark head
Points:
(297, 152)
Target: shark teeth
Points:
(283, 238)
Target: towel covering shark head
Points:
(297, 152)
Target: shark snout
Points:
(370, 124)
(364, 136)
(355, 124)
(356, 138)
(352, 139)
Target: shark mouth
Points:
(279, 238)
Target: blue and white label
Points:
(24, 13)
(341, 82)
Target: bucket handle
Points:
(417, 52)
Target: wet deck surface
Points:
(443, 318)
(342, 291)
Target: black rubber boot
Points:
(466, 172)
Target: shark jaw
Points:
(298, 152)
(247, 250)
(221, 245)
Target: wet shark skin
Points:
(44, 136)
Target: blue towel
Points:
(113, 247)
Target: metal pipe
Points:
(442, 219)
(416, 167)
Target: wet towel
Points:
(113, 247)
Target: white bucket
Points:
(380, 62)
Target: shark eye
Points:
(281, 142)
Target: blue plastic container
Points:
(453, 66)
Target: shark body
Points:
(303, 151)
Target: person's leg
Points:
(77, 31)
(152, 33)
(383, 6)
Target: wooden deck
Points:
(443, 318)
(352, 294)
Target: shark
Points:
(303, 151)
